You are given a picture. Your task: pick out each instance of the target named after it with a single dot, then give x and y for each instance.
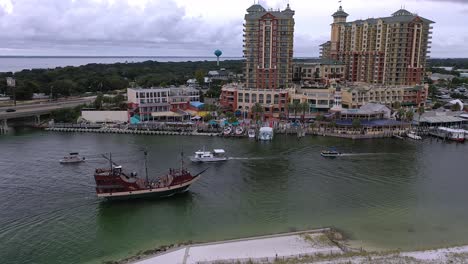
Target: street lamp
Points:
(11, 82)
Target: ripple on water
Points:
(386, 192)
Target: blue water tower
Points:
(218, 53)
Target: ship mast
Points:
(181, 161)
(146, 167)
(110, 162)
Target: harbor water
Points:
(382, 193)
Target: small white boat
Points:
(330, 153)
(227, 131)
(251, 133)
(239, 131)
(452, 134)
(413, 135)
(266, 134)
(73, 157)
(209, 156)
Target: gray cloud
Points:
(172, 27)
(160, 25)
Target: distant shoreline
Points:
(111, 57)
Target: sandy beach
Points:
(324, 246)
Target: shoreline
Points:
(324, 245)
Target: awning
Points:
(165, 114)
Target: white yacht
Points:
(413, 135)
(239, 131)
(209, 156)
(266, 133)
(251, 133)
(73, 157)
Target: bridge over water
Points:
(37, 110)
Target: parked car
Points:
(9, 110)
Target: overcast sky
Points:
(196, 28)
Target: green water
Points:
(387, 194)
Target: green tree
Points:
(294, 107)
(305, 107)
(319, 117)
(63, 88)
(455, 107)
(200, 76)
(421, 111)
(409, 115)
(24, 91)
(98, 102)
(257, 110)
(356, 123)
(401, 113)
(208, 117)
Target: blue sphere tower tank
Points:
(218, 53)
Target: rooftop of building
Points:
(367, 109)
(320, 62)
(367, 87)
(162, 88)
(440, 116)
(340, 13)
(372, 123)
(400, 16)
(257, 11)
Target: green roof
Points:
(340, 13)
(400, 16)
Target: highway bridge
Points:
(37, 110)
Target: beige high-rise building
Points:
(268, 47)
(387, 50)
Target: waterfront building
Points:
(369, 111)
(325, 50)
(321, 72)
(152, 102)
(358, 94)
(319, 99)
(441, 118)
(236, 97)
(268, 67)
(386, 50)
(268, 47)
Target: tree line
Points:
(94, 78)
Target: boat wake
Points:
(362, 154)
(236, 158)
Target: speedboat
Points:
(73, 157)
(251, 133)
(209, 156)
(227, 131)
(266, 133)
(330, 153)
(413, 135)
(239, 131)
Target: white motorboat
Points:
(452, 134)
(227, 131)
(413, 135)
(209, 156)
(73, 157)
(251, 133)
(266, 133)
(239, 131)
(330, 153)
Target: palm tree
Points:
(304, 108)
(257, 109)
(401, 113)
(409, 115)
(421, 111)
(294, 106)
(356, 123)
